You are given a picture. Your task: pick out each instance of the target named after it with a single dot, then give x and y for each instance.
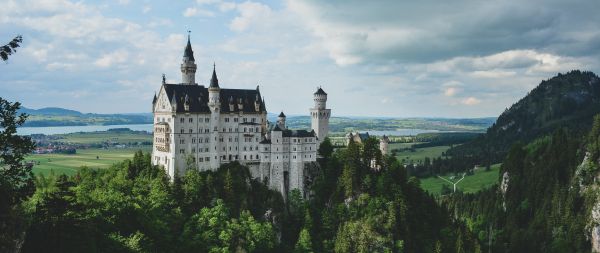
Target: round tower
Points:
(320, 115)
(188, 67)
(214, 103)
(281, 121)
(383, 144)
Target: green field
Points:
(480, 180)
(420, 153)
(100, 137)
(69, 164)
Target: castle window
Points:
(182, 141)
(230, 129)
(206, 120)
(236, 139)
(220, 139)
(244, 129)
(257, 129)
(206, 140)
(193, 150)
(200, 159)
(294, 149)
(294, 157)
(191, 120)
(206, 130)
(182, 131)
(229, 148)
(190, 130)
(223, 130)
(253, 120)
(207, 158)
(182, 151)
(193, 140)
(245, 120)
(199, 130)
(236, 129)
(206, 150)
(230, 139)
(235, 119)
(226, 119)
(181, 120)
(215, 129)
(245, 157)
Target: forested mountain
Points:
(547, 197)
(566, 100)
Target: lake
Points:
(76, 129)
(148, 128)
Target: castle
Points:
(204, 127)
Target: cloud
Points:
(470, 101)
(108, 60)
(450, 91)
(250, 13)
(423, 32)
(193, 11)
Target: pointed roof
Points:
(214, 82)
(281, 115)
(154, 99)
(189, 53)
(320, 91)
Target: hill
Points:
(566, 100)
(54, 116)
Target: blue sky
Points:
(374, 58)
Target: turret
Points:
(320, 98)
(214, 103)
(188, 67)
(214, 89)
(174, 102)
(281, 121)
(320, 114)
(383, 144)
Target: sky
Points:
(389, 58)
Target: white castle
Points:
(204, 127)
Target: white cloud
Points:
(450, 91)
(193, 11)
(470, 101)
(146, 9)
(250, 13)
(108, 60)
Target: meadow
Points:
(69, 163)
(481, 179)
(419, 154)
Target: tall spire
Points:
(189, 53)
(214, 82)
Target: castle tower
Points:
(281, 121)
(188, 67)
(320, 115)
(383, 145)
(214, 104)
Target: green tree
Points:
(326, 148)
(9, 48)
(304, 244)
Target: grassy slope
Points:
(68, 164)
(419, 154)
(98, 137)
(481, 179)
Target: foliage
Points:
(9, 48)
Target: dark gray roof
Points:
(265, 141)
(198, 98)
(363, 136)
(281, 115)
(189, 53)
(214, 82)
(298, 133)
(320, 91)
(276, 128)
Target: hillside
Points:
(54, 116)
(566, 100)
